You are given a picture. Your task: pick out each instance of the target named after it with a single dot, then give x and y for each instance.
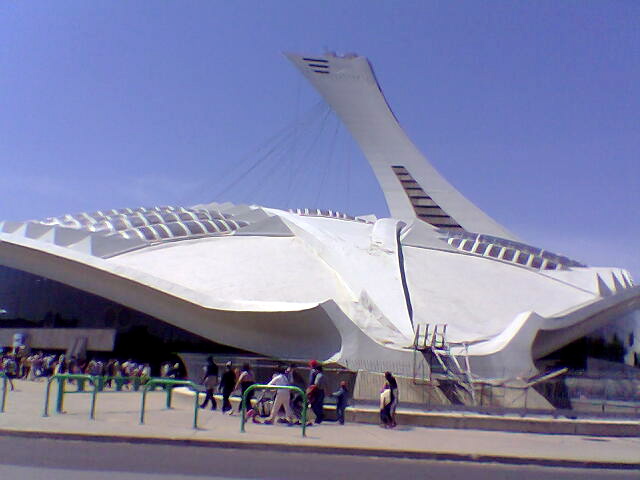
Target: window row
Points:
(182, 229)
(508, 254)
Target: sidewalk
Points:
(117, 419)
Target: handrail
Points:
(62, 378)
(171, 383)
(3, 398)
(273, 387)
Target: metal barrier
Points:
(169, 385)
(3, 398)
(62, 379)
(273, 387)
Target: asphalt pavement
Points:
(117, 423)
(31, 459)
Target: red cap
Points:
(313, 363)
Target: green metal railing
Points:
(273, 387)
(99, 382)
(62, 380)
(3, 398)
(169, 385)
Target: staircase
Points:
(430, 346)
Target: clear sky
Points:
(531, 109)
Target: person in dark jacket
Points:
(317, 397)
(393, 386)
(210, 382)
(227, 384)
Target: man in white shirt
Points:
(282, 397)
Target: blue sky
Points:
(531, 109)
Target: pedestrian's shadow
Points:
(403, 428)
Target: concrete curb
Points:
(493, 423)
(325, 449)
(557, 426)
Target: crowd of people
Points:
(283, 406)
(286, 404)
(22, 364)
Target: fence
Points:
(169, 385)
(98, 383)
(62, 379)
(577, 395)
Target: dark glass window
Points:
(119, 224)
(161, 231)
(468, 245)
(136, 221)
(194, 228)
(494, 251)
(153, 218)
(536, 262)
(148, 233)
(481, 248)
(509, 254)
(523, 258)
(210, 226)
(222, 226)
(176, 229)
(169, 217)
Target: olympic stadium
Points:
(438, 277)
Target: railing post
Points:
(196, 407)
(144, 398)
(169, 385)
(169, 389)
(304, 412)
(243, 407)
(60, 397)
(96, 384)
(45, 412)
(3, 399)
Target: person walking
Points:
(385, 406)
(227, 384)
(317, 398)
(10, 368)
(210, 382)
(312, 372)
(341, 395)
(282, 398)
(245, 380)
(393, 386)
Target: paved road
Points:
(31, 459)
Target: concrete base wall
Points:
(98, 339)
